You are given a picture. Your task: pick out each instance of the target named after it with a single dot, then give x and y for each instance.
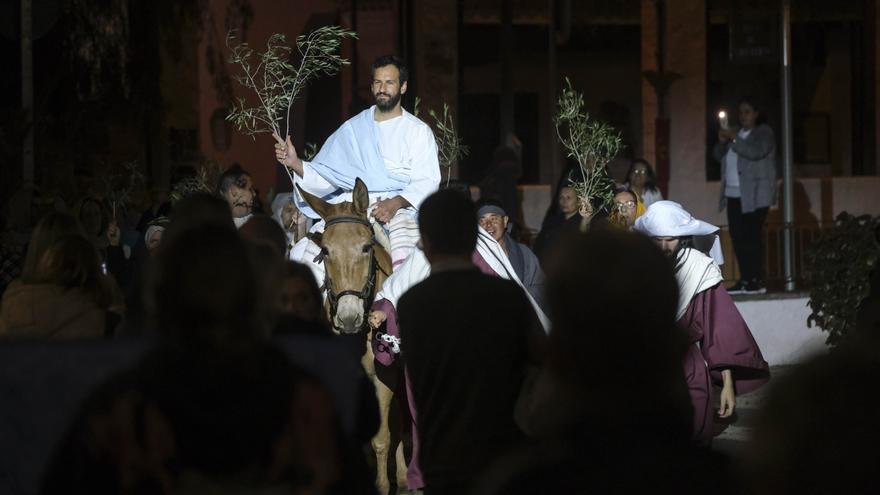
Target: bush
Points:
(841, 261)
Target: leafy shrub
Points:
(841, 261)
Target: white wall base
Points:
(780, 328)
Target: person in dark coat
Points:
(466, 362)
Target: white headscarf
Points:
(278, 203)
(151, 231)
(668, 219)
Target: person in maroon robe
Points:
(723, 350)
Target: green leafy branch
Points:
(276, 81)
(450, 147)
(119, 181)
(310, 151)
(206, 177)
(590, 142)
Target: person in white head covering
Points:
(723, 349)
(292, 220)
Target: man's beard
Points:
(389, 104)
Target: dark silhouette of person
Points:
(215, 408)
(817, 430)
(610, 409)
(466, 340)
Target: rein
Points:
(365, 293)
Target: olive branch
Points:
(119, 181)
(276, 81)
(592, 143)
(206, 176)
(450, 147)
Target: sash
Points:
(695, 273)
(352, 152)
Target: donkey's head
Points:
(354, 264)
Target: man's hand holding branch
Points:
(285, 153)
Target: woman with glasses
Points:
(627, 206)
(640, 179)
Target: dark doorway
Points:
(479, 119)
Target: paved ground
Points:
(734, 436)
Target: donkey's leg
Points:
(401, 466)
(382, 440)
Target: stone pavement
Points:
(734, 436)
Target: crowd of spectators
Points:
(602, 403)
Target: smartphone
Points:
(722, 118)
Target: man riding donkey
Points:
(395, 155)
(388, 148)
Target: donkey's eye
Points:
(367, 248)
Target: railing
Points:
(774, 256)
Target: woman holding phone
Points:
(748, 187)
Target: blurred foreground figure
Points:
(723, 349)
(215, 408)
(466, 361)
(62, 292)
(817, 432)
(611, 407)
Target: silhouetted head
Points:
(612, 299)
(203, 286)
(262, 229)
(197, 210)
(73, 262)
(817, 432)
(48, 230)
(448, 225)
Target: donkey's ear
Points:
(319, 205)
(360, 197)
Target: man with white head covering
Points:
(723, 349)
(290, 218)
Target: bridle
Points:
(365, 293)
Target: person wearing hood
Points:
(722, 348)
(494, 220)
(295, 224)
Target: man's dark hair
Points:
(233, 175)
(448, 221)
(394, 60)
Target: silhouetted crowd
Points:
(232, 389)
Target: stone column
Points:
(686, 55)
(875, 30)
(649, 63)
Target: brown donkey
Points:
(355, 267)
